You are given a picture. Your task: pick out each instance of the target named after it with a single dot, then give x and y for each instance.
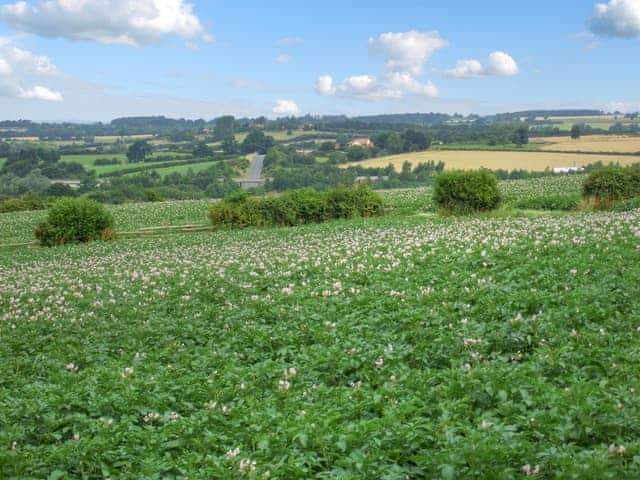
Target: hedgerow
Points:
(611, 184)
(295, 207)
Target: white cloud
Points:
(286, 108)
(501, 64)
(19, 67)
(498, 64)
(324, 85)
(466, 69)
(406, 83)
(405, 55)
(284, 58)
(394, 85)
(5, 68)
(407, 52)
(41, 93)
(618, 18)
(289, 41)
(126, 22)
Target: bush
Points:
(566, 202)
(465, 192)
(25, 203)
(75, 220)
(610, 184)
(295, 207)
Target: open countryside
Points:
(236, 247)
(494, 160)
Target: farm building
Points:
(568, 170)
(361, 142)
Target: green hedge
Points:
(566, 202)
(464, 192)
(75, 220)
(611, 184)
(295, 207)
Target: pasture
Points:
(392, 348)
(87, 160)
(591, 143)
(494, 160)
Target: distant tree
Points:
(414, 141)
(327, 146)
(138, 151)
(230, 145)
(394, 143)
(257, 142)
(59, 190)
(356, 153)
(521, 135)
(576, 132)
(224, 127)
(405, 174)
(202, 150)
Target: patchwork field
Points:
(467, 160)
(591, 143)
(86, 160)
(389, 348)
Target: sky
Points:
(94, 60)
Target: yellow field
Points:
(468, 160)
(592, 143)
(114, 138)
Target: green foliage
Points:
(611, 184)
(567, 202)
(138, 151)
(75, 220)
(462, 192)
(202, 150)
(27, 202)
(230, 146)
(257, 142)
(295, 207)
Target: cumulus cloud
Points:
(498, 64)
(286, 108)
(289, 42)
(324, 85)
(407, 52)
(618, 18)
(405, 55)
(19, 67)
(40, 93)
(284, 58)
(394, 85)
(126, 22)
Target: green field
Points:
(398, 347)
(182, 169)
(87, 160)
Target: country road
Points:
(255, 170)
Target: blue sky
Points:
(94, 60)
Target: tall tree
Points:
(138, 151)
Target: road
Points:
(255, 171)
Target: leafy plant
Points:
(75, 220)
(463, 192)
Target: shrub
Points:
(466, 191)
(27, 202)
(295, 207)
(566, 202)
(610, 184)
(74, 220)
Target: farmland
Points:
(591, 143)
(466, 160)
(87, 160)
(397, 347)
